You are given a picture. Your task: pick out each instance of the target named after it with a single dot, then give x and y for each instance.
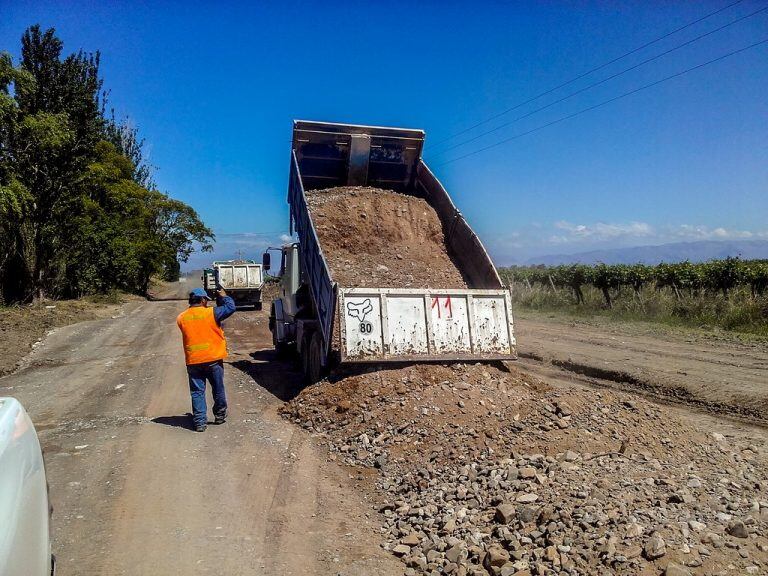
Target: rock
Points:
(696, 526)
(455, 553)
(433, 556)
(527, 498)
(527, 472)
(712, 538)
(737, 529)
(551, 554)
(505, 513)
(675, 570)
(563, 408)
(401, 550)
(495, 557)
(632, 552)
(412, 539)
(527, 514)
(343, 406)
(634, 530)
(570, 456)
(655, 547)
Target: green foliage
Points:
(730, 293)
(755, 273)
(79, 213)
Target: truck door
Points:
(291, 279)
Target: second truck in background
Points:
(242, 279)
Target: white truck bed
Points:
(234, 276)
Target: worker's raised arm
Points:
(225, 306)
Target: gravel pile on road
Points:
(483, 470)
(380, 238)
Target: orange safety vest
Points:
(203, 338)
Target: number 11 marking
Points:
(447, 306)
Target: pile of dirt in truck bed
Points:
(380, 238)
(481, 470)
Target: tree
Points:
(572, 276)
(607, 278)
(723, 275)
(79, 211)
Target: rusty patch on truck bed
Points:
(375, 237)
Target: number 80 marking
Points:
(366, 328)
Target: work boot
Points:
(200, 427)
(220, 418)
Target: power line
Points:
(604, 80)
(587, 73)
(614, 99)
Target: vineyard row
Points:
(715, 276)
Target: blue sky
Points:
(214, 88)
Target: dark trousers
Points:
(198, 374)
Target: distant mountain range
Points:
(676, 252)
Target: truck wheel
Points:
(282, 349)
(315, 369)
(304, 356)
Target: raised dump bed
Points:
(418, 283)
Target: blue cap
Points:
(199, 292)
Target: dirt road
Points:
(135, 491)
(718, 374)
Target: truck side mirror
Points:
(266, 261)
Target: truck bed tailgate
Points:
(384, 324)
(233, 276)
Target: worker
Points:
(205, 349)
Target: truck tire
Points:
(314, 371)
(281, 348)
(304, 356)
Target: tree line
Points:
(79, 210)
(713, 277)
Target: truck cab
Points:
(290, 279)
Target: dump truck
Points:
(242, 279)
(328, 323)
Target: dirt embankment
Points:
(380, 238)
(22, 327)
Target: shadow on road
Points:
(280, 377)
(184, 421)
